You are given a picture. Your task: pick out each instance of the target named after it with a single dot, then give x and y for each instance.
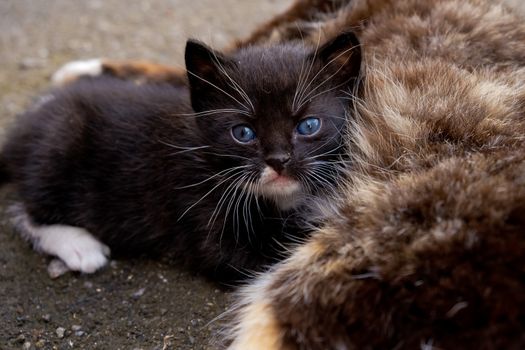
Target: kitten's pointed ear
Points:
(342, 58)
(204, 71)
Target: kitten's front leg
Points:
(78, 249)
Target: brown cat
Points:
(424, 246)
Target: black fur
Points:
(117, 158)
(4, 174)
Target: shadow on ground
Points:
(134, 304)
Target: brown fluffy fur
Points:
(425, 246)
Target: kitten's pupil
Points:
(309, 126)
(243, 133)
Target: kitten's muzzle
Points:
(278, 161)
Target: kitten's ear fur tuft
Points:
(342, 57)
(204, 71)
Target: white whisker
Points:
(224, 196)
(183, 149)
(218, 88)
(312, 62)
(212, 112)
(219, 174)
(227, 155)
(229, 206)
(234, 84)
(205, 196)
(304, 98)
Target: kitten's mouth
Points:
(280, 181)
(278, 185)
(283, 190)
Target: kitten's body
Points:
(102, 156)
(139, 168)
(425, 246)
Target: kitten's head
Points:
(274, 116)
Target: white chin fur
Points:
(284, 202)
(285, 195)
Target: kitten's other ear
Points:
(342, 58)
(204, 71)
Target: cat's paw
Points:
(73, 70)
(76, 247)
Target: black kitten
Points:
(211, 179)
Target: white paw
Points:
(76, 247)
(76, 69)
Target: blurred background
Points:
(139, 304)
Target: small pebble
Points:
(46, 317)
(27, 345)
(21, 339)
(22, 319)
(76, 327)
(79, 333)
(138, 293)
(60, 331)
(40, 344)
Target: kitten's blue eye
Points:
(309, 126)
(243, 133)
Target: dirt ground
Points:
(134, 304)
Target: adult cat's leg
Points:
(78, 249)
(139, 71)
(288, 292)
(256, 325)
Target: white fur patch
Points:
(285, 193)
(75, 246)
(75, 69)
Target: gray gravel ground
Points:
(134, 304)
